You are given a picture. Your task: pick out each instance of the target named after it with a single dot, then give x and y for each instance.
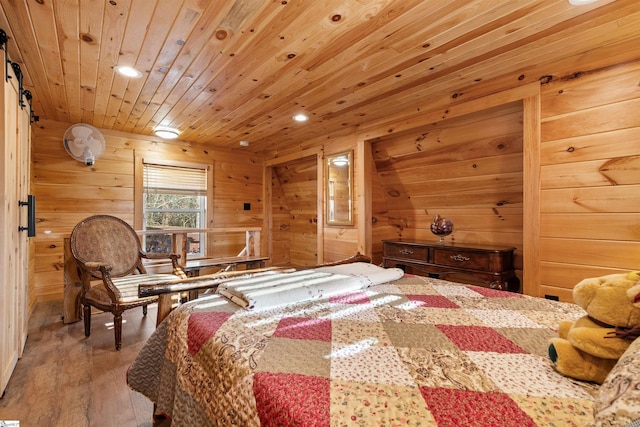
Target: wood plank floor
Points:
(67, 379)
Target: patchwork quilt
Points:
(417, 352)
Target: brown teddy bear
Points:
(588, 348)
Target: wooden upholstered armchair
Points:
(107, 248)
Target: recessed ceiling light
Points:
(581, 2)
(300, 117)
(166, 132)
(125, 70)
(244, 143)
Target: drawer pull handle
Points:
(406, 251)
(459, 257)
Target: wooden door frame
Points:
(267, 195)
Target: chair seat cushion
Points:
(128, 287)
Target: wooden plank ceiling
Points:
(225, 71)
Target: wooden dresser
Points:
(490, 266)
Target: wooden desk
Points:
(492, 266)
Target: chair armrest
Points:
(104, 269)
(177, 268)
(96, 265)
(147, 255)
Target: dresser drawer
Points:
(490, 265)
(418, 253)
(461, 258)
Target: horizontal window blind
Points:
(175, 179)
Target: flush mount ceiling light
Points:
(581, 2)
(127, 71)
(300, 117)
(244, 143)
(166, 132)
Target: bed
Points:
(404, 350)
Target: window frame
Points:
(144, 158)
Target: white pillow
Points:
(370, 274)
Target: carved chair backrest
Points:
(107, 239)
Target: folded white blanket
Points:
(262, 292)
(323, 282)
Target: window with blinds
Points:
(174, 197)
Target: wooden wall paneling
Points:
(564, 276)
(594, 199)
(266, 243)
(280, 226)
(381, 227)
(592, 226)
(415, 171)
(615, 171)
(531, 195)
(320, 206)
(449, 192)
(51, 262)
(294, 180)
(590, 174)
(609, 117)
(304, 238)
(340, 242)
(47, 173)
(599, 253)
(82, 192)
(563, 294)
(595, 88)
(605, 145)
(298, 182)
(404, 121)
(138, 191)
(49, 285)
(363, 193)
(445, 142)
(226, 244)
